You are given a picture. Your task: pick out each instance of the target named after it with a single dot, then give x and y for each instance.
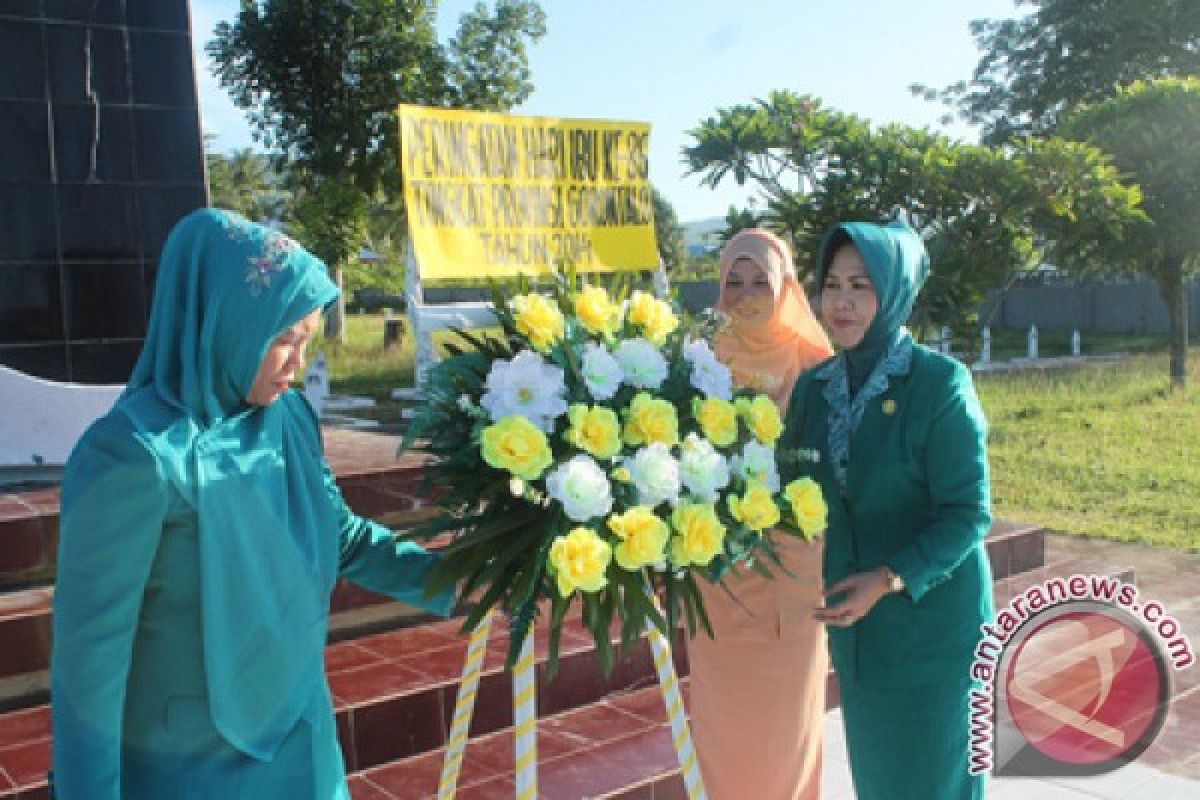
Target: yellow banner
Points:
(495, 194)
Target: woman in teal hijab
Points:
(201, 536)
(899, 444)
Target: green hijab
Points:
(226, 288)
(898, 264)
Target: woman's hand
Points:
(859, 594)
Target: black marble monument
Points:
(100, 154)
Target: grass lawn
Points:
(1102, 450)
(363, 366)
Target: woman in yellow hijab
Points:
(758, 688)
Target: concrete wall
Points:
(1134, 307)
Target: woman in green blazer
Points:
(202, 534)
(895, 435)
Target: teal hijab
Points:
(226, 288)
(898, 264)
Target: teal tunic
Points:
(903, 465)
(132, 707)
(201, 537)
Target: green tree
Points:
(320, 81)
(739, 219)
(330, 217)
(668, 232)
(246, 182)
(985, 212)
(387, 235)
(1150, 128)
(1035, 70)
(1036, 67)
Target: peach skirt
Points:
(758, 689)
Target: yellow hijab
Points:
(768, 356)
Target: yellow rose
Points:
(538, 319)
(643, 538)
(662, 326)
(699, 535)
(717, 418)
(516, 445)
(808, 505)
(653, 316)
(622, 474)
(762, 417)
(579, 561)
(755, 509)
(651, 419)
(596, 311)
(595, 430)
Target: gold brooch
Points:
(889, 406)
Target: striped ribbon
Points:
(525, 721)
(668, 682)
(464, 706)
(525, 713)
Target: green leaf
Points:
(558, 612)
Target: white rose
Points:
(709, 375)
(641, 363)
(757, 463)
(527, 386)
(601, 372)
(582, 488)
(702, 469)
(655, 474)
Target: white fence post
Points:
(662, 287)
(422, 336)
(316, 384)
(986, 355)
(1033, 343)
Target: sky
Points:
(673, 63)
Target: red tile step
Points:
(394, 694)
(25, 630)
(24, 753)
(1008, 588)
(1015, 547)
(618, 747)
(374, 482)
(24, 614)
(407, 674)
(28, 536)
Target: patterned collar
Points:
(846, 414)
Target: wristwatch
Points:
(894, 582)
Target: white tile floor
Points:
(1133, 782)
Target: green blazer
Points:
(917, 500)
